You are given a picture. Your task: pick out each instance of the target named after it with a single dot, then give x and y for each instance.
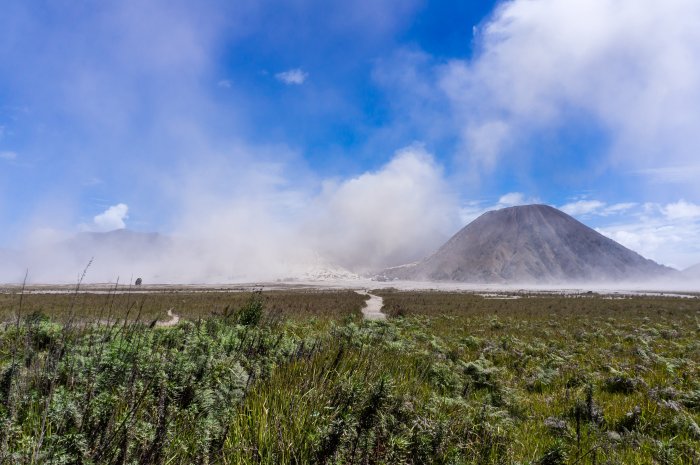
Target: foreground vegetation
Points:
(261, 378)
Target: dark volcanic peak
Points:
(529, 244)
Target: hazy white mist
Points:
(263, 228)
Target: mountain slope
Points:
(692, 272)
(529, 244)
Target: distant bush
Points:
(621, 384)
(555, 455)
(692, 400)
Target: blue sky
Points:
(164, 115)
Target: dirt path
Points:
(373, 307)
(174, 319)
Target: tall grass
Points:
(519, 381)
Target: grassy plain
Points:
(189, 304)
(298, 377)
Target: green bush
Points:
(251, 313)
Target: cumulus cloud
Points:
(633, 68)
(112, 218)
(295, 76)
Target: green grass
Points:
(192, 305)
(449, 378)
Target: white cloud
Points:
(681, 210)
(668, 233)
(582, 207)
(8, 155)
(586, 207)
(670, 242)
(224, 83)
(397, 214)
(294, 76)
(618, 208)
(632, 67)
(512, 198)
(112, 218)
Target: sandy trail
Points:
(373, 307)
(174, 319)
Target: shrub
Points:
(540, 380)
(251, 313)
(481, 372)
(630, 421)
(620, 384)
(555, 455)
(691, 400)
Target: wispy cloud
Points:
(618, 208)
(582, 207)
(666, 232)
(671, 174)
(671, 241)
(512, 199)
(8, 155)
(295, 76)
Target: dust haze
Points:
(263, 230)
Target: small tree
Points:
(138, 281)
